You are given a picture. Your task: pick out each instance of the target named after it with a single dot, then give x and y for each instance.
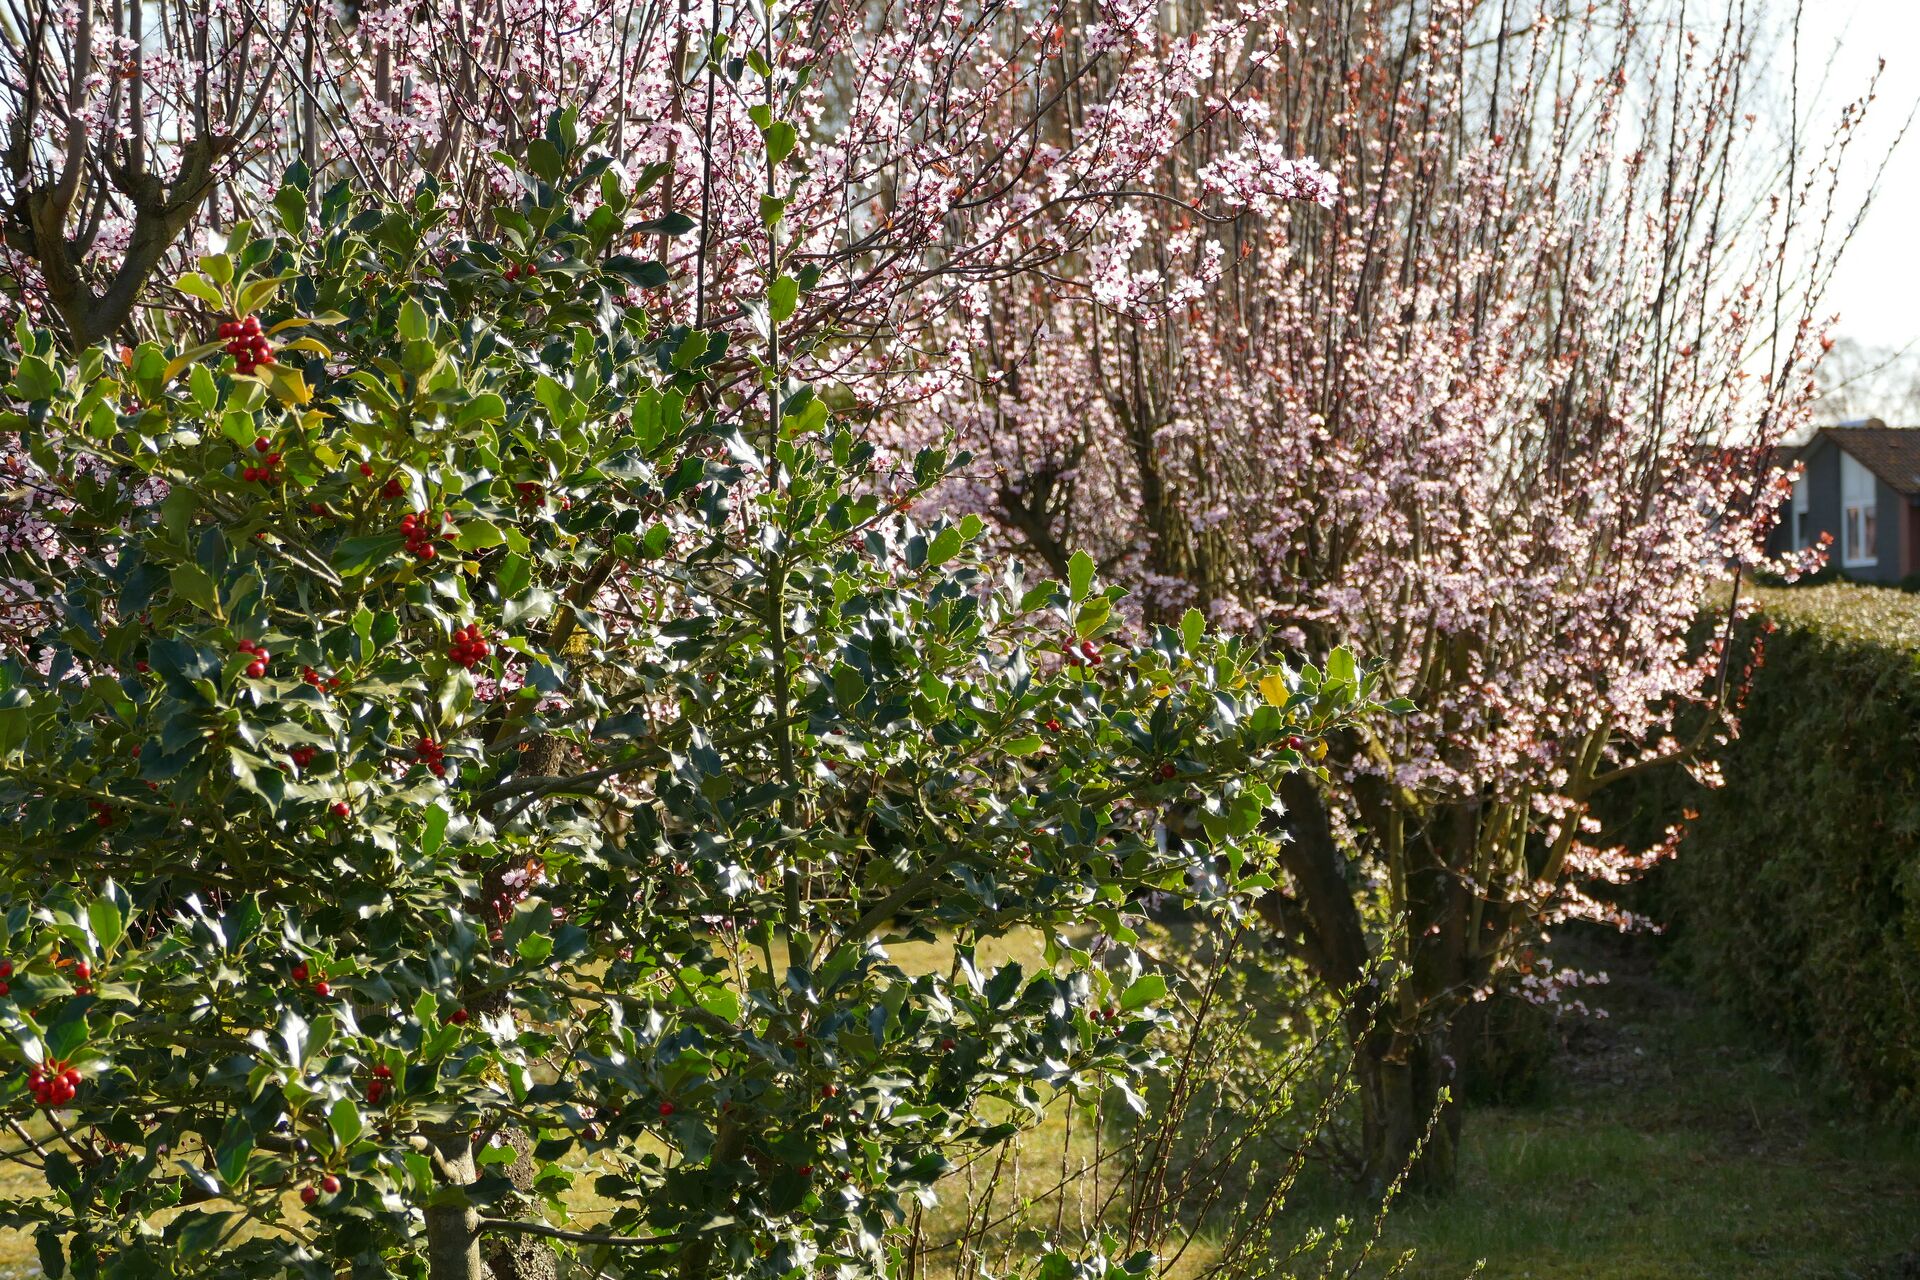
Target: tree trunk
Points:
(1402, 1058)
(519, 1257)
(453, 1225)
(1410, 1119)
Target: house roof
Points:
(1892, 453)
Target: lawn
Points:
(1673, 1143)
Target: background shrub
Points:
(1796, 895)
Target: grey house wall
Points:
(1822, 461)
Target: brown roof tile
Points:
(1892, 453)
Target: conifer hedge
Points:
(1796, 895)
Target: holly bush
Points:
(462, 761)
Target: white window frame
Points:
(1801, 505)
(1859, 515)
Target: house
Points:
(1860, 483)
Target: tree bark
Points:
(1398, 1030)
(1405, 1101)
(453, 1225)
(519, 1257)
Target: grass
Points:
(1671, 1144)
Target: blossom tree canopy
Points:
(1499, 417)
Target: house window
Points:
(1800, 512)
(1858, 535)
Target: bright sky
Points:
(1877, 289)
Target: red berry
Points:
(261, 444)
(806, 1171)
(381, 1071)
(376, 1091)
(947, 1046)
(322, 989)
(330, 1184)
(5, 989)
(142, 667)
(6, 968)
(458, 1017)
(309, 1193)
(81, 969)
(666, 1108)
(366, 469)
(1167, 770)
(300, 972)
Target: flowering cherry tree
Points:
(950, 149)
(1499, 417)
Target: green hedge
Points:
(1796, 895)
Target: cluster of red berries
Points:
(302, 757)
(258, 667)
(246, 344)
(458, 1017)
(524, 271)
(314, 678)
(1052, 725)
(378, 1086)
(329, 1185)
(529, 494)
(82, 976)
(1105, 1013)
(264, 473)
(420, 532)
(6, 972)
(322, 988)
(468, 648)
(53, 1084)
(433, 755)
(102, 813)
(392, 489)
(1083, 653)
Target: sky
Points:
(1877, 288)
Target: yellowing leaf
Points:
(287, 384)
(295, 322)
(260, 291)
(1274, 689)
(189, 356)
